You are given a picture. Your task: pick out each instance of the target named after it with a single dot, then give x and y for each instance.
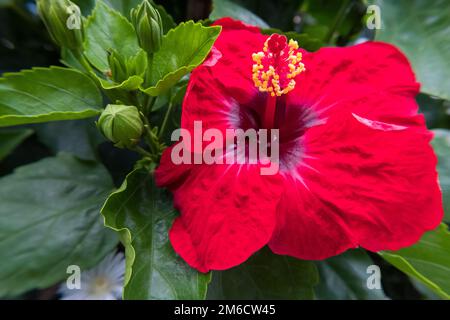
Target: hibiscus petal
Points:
(340, 79)
(169, 174)
(216, 90)
(227, 213)
(231, 24)
(363, 182)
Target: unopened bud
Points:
(121, 124)
(148, 25)
(120, 69)
(63, 21)
(118, 66)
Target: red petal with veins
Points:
(217, 89)
(349, 78)
(363, 183)
(227, 214)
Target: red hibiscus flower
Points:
(356, 167)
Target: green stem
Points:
(133, 99)
(82, 60)
(165, 121)
(150, 138)
(142, 151)
(148, 106)
(343, 10)
(149, 68)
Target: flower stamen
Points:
(274, 71)
(277, 65)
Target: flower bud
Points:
(121, 125)
(63, 21)
(118, 66)
(121, 69)
(148, 25)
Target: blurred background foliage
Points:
(421, 28)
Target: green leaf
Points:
(49, 219)
(6, 3)
(278, 14)
(123, 6)
(434, 110)
(227, 8)
(421, 29)
(135, 67)
(427, 261)
(107, 29)
(80, 138)
(333, 21)
(183, 49)
(47, 94)
(69, 60)
(11, 139)
(424, 291)
(305, 41)
(266, 276)
(132, 83)
(344, 277)
(441, 145)
(174, 96)
(143, 214)
(178, 93)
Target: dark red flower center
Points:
(274, 75)
(291, 120)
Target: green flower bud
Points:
(138, 64)
(148, 25)
(121, 125)
(63, 21)
(121, 69)
(118, 66)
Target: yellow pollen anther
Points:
(293, 44)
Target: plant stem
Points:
(149, 68)
(150, 138)
(132, 96)
(82, 60)
(165, 121)
(343, 10)
(148, 104)
(142, 151)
